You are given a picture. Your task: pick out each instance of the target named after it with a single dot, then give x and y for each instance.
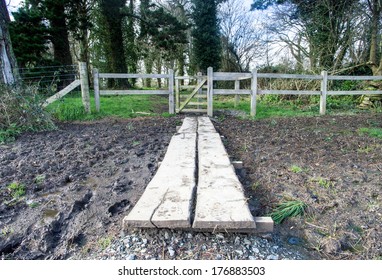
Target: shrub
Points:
(21, 110)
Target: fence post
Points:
(324, 91)
(200, 91)
(84, 86)
(171, 102)
(237, 96)
(96, 89)
(210, 91)
(177, 92)
(253, 92)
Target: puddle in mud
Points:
(49, 213)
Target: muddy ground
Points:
(82, 179)
(325, 162)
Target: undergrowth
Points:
(21, 110)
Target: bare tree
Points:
(242, 36)
(7, 58)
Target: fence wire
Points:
(49, 79)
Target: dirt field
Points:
(82, 179)
(326, 163)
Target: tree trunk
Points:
(371, 100)
(8, 63)
(59, 33)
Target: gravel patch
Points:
(182, 245)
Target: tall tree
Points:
(242, 37)
(7, 59)
(322, 29)
(206, 47)
(55, 13)
(111, 11)
(30, 37)
(79, 23)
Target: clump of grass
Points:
(372, 132)
(104, 242)
(69, 112)
(17, 190)
(322, 182)
(295, 169)
(288, 209)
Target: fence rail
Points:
(255, 90)
(98, 92)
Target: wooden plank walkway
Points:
(196, 155)
(167, 200)
(221, 204)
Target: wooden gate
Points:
(196, 101)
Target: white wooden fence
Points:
(211, 77)
(254, 91)
(169, 91)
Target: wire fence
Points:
(49, 79)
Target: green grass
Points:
(70, 107)
(263, 109)
(295, 169)
(17, 190)
(372, 132)
(288, 209)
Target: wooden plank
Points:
(167, 200)
(177, 96)
(324, 92)
(221, 204)
(254, 92)
(354, 92)
(231, 91)
(194, 110)
(131, 76)
(237, 96)
(171, 101)
(96, 89)
(289, 92)
(205, 125)
(289, 76)
(355, 78)
(210, 91)
(197, 103)
(132, 92)
(85, 93)
(226, 76)
(62, 92)
(189, 125)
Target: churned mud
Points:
(326, 162)
(79, 182)
(64, 193)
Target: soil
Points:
(82, 179)
(80, 182)
(325, 162)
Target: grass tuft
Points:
(372, 132)
(288, 209)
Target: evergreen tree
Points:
(79, 24)
(111, 11)
(206, 48)
(30, 37)
(55, 13)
